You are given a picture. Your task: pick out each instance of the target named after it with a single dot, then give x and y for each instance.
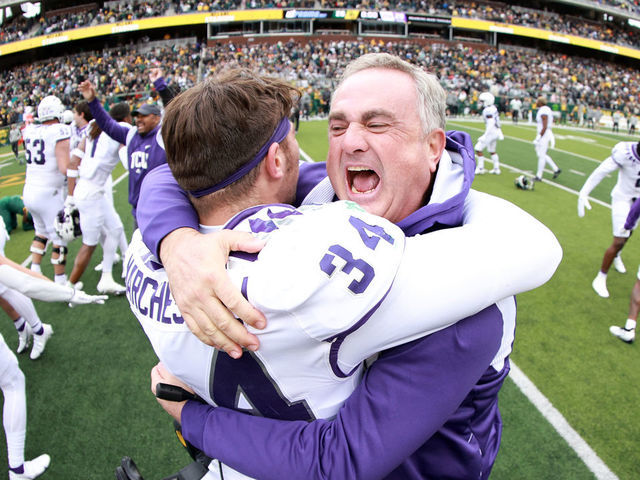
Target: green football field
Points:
(89, 401)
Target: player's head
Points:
(541, 101)
(82, 114)
(50, 108)
(486, 99)
(386, 135)
(67, 117)
(120, 112)
(226, 135)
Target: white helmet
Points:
(67, 117)
(486, 99)
(50, 107)
(67, 223)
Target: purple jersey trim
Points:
(235, 221)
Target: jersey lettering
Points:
(35, 151)
(139, 161)
(356, 286)
(245, 384)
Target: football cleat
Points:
(39, 342)
(627, 336)
(480, 171)
(557, 173)
(618, 265)
(599, 284)
(495, 171)
(32, 469)
(109, 285)
(24, 338)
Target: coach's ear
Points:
(435, 141)
(274, 161)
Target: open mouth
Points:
(362, 180)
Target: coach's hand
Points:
(195, 265)
(583, 202)
(155, 73)
(159, 374)
(87, 90)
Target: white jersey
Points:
(491, 119)
(627, 159)
(542, 112)
(40, 144)
(100, 158)
(77, 134)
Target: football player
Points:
(544, 139)
(47, 157)
(91, 164)
(368, 134)
(625, 158)
(492, 133)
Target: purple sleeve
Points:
(108, 124)
(404, 398)
(162, 207)
(632, 218)
(310, 175)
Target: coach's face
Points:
(379, 155)
(146, 123)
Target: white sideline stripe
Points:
(582, 174)
(27, 260)
(555, 418)
(305, 156)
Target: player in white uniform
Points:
(625, 158)
(544, 139)
(492, 133)
(328, 278)
(93, 161)
(21, 310)
(79, 129)
(12, 382)
(47, 157)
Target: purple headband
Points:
(281, 132)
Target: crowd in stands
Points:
(18, 28)
(314, 66)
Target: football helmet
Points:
(50, 108)
(67, 117)
(486, 99)
(67, 223)
(525, 183)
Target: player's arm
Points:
(77, 154)
(441, 280)
(102, 118)
(62, 155)
(404, 398)
(545, 122)
(606, 167)
(39, 287)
